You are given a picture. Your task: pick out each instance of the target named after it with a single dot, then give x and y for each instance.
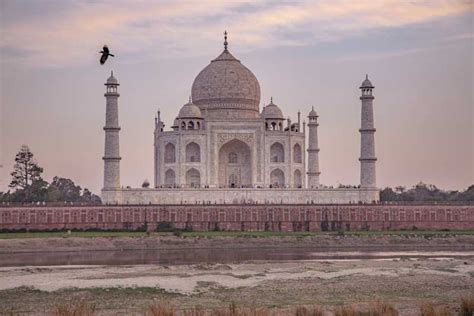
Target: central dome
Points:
(226, 89)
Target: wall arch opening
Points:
(170, 178)
(277, 153)
(170, 153)
(235, 165)
(277, 178)
(193, 152)
(297, 154)
(193, 178)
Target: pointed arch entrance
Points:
(235, 165)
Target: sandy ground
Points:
(406, 283)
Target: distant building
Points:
(222, 149)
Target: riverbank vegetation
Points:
(236, 234)
(377, 308)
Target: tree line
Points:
(426, 193)
(28, 186)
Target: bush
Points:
(382, 309)
(164, 227)
(429, 310)
(196, 311)
(74, 309)
(234, 310)
(467, 306)
(314, 311)
(161, 309)
(346, 311)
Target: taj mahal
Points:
(221, 149)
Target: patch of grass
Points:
(312, 311)
(450, 270)
(88, 234)
(467, 306)
(429, 310)
(81, 308)
(345, 311)
(375, 309)
(127, 291)
(234, 310)
(382, 309)
(8, 312)
(247, 276)
(161, 309)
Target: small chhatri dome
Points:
(312, 113)
(112, 80)
(272, 111)
(189, 111)
(366, 83)
(226, 87)
(175, 122)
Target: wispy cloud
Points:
(56, 33)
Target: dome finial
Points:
(366, 76)
(111, 73)
(271, 100)
(225, 40)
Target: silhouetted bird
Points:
(105, 54)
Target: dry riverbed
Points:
(279, 285)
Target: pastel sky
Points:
(418, 54)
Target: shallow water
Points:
(212, 255)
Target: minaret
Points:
(367, 133)
(111, 128)
(159, 126)
(313, 150)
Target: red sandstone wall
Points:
(240, 217)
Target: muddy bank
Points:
(343, 243)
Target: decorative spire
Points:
(225, 40)
(366, 77)
(271, 100)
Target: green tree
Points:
(65, 190)
(387, 195)
(466, 196)
(89, 197)
(26, 174)
(62, 189)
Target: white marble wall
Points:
(229, 196)
(214, 137)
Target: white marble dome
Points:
(189, 110)
(313, 113)
(366, 83)
(112, 80)
(272, 111)
(225, 86)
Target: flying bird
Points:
(105, 54)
